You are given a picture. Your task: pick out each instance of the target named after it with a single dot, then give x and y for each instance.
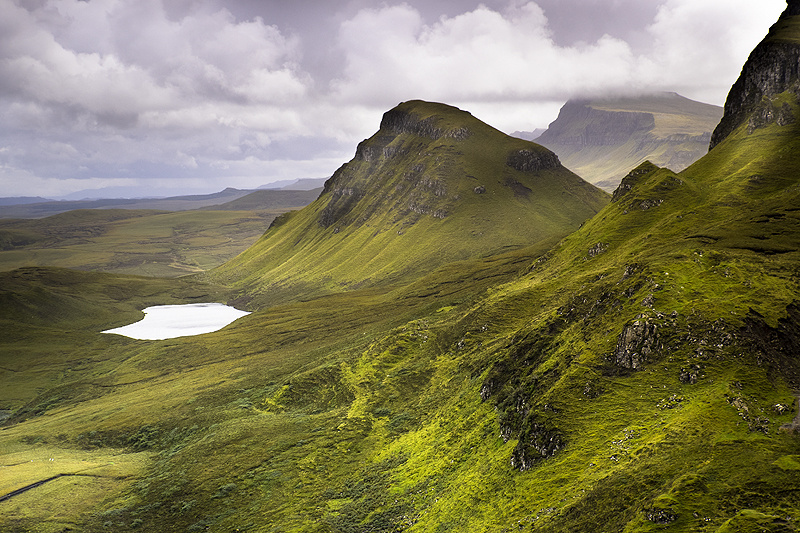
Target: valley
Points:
(457, 334)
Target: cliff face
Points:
(772, 68)
(579, 124)
(602, 139)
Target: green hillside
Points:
(603, 138)
(639, 375)
(432, 186)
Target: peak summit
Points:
(772, 68)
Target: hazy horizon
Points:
(199, 95)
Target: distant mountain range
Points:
(261, 199)
(602, 139)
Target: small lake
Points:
(170, 321)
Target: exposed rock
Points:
(690, 375)
(650, 203)
(532, 161)
(637, 342)
(342, 200)
(480, 189)
(754, 421)
(535, 444)
(633, 177)
(598, 249)
(401, 122)
(776, 348)
(661, 516)
(772, 68)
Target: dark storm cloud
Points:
(206, 94)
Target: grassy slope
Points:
(416, 194)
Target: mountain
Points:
(305, 184)
(529, 135)
(602, 139)
(269, 199)
(432, 186)
(21, 200)
(639, 375)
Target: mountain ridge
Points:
(433, 175)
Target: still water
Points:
(171, 321)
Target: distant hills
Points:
(265, 199)
(602, 139)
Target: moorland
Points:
(457, 334)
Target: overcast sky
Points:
(199, 95)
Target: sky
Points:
(161, 97)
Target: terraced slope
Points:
(432, 186)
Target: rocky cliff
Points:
(602, 139)
(773, 68)
(580, 124)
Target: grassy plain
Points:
(150, 243)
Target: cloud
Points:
(487, 55)
(499, 59)
(160, 90)
(93, 90)
(479, 55)
(699, 48)
(142, 62)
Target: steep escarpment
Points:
(580, 124)
(773, 68)
(433, 185)
(601, 139)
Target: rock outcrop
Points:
(629, 181)
(772, 68)
(637, 342)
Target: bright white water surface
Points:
(170, 321)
